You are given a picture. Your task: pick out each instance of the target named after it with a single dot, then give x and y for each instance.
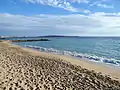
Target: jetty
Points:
(27, 40)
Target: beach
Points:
(28, 69)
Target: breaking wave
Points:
(78, 55)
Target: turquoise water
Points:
(100, 49)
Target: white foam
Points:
(78, 55)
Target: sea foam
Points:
(78, 55)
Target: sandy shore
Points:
(27, 69)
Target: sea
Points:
(97, 49)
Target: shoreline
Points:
(90, 65)
(105, 69)
(32, 62)
(97, 59)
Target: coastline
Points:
(66, 60)
(94, 58)
(105, 69)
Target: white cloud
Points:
(106, 14)
(55, 3)
(65, 4)
(104, 6)
(99, 24)
(80, 1)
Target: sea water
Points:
(99, 49)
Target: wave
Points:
(78, 55)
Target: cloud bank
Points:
(93, 25)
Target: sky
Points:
(60, 17)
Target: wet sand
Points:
(27, 69)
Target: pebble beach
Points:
(22, 70)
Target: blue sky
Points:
(61, 17)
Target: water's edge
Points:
(77, 55)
